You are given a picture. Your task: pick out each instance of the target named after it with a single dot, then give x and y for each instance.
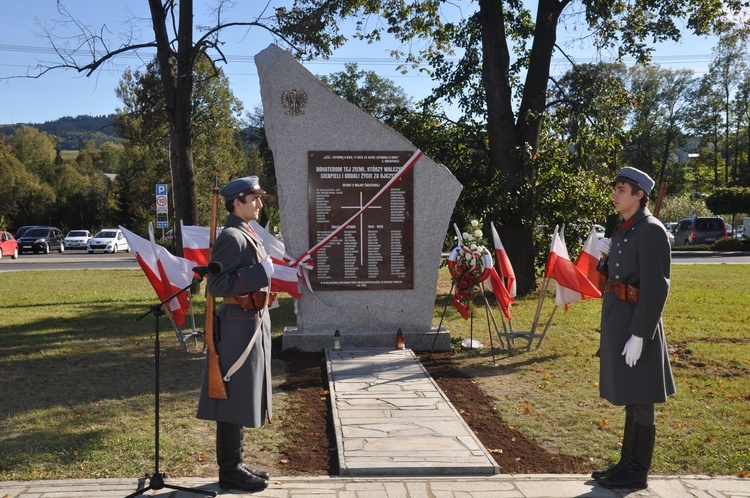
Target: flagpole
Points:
(497, 329)
(546, 326)
(542, 295)
(437, 332)
(488, 309)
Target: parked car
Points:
(108, 240)
(699, 230)
(739, 233)
(77, 239)
(8, 245)
(21, 231)
(670, 226)
(41, 239)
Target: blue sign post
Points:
(162, 206)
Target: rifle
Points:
(217, 389)
(659, 198)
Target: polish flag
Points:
(571, 284)
(176, 274)
(589, 258)
(195, 244)
(284, 277)
(195, 241)
(147, 259)
(502, 280)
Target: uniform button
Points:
(617, 277)
(624, 240)
(620, 252)
(617, 264)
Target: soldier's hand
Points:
(268, 266)
(632, 350)
(604, 245)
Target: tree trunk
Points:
(511, 144)
(177, 78)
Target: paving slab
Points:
(391, 418)
(496, 486)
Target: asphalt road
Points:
(81, 260)
(70, 260)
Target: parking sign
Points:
(162, 206)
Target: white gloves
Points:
(632, 350)
(604, 245)
(268, 266)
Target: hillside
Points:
(71, 132)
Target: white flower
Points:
(465, 235)
(474, 223)
(473, 247)
(478, 234)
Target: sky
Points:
(66, 93)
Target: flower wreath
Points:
(468, 268)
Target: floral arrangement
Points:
(469, 263)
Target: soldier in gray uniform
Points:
(245, 274)
(634, 364)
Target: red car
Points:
(8, 245)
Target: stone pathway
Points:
(391, 419)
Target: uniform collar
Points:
(639, 215)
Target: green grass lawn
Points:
(551, 394)
(77, 379)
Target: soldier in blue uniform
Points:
(244, 329)
(634, 363)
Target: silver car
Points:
(109, 240)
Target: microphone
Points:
(213, 268)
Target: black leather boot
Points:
(627, 448)
(634, 474)
(232, 472)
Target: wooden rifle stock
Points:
(217, 388)
(659, 198)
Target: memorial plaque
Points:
(375, 251)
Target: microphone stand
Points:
(156, 481)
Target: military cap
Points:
(241, 186)
(635, 177)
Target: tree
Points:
(725, 72)
(376, 96)
(144, 125)
(36, 150)
(486, 83)
(663, 99)
(732, 201)
(87, 50)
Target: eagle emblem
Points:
(293, 102)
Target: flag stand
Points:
(437, 332)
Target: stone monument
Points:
(368, 208)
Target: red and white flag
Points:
(285, 278)
(195, 242)
(502, 279)
(571, 284)
(160, 275)
(588, 259)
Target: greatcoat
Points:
(249, 388)
(640, 255)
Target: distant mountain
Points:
(71, 132)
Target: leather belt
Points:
(255, 300)
(622, 291)
(231, 300)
